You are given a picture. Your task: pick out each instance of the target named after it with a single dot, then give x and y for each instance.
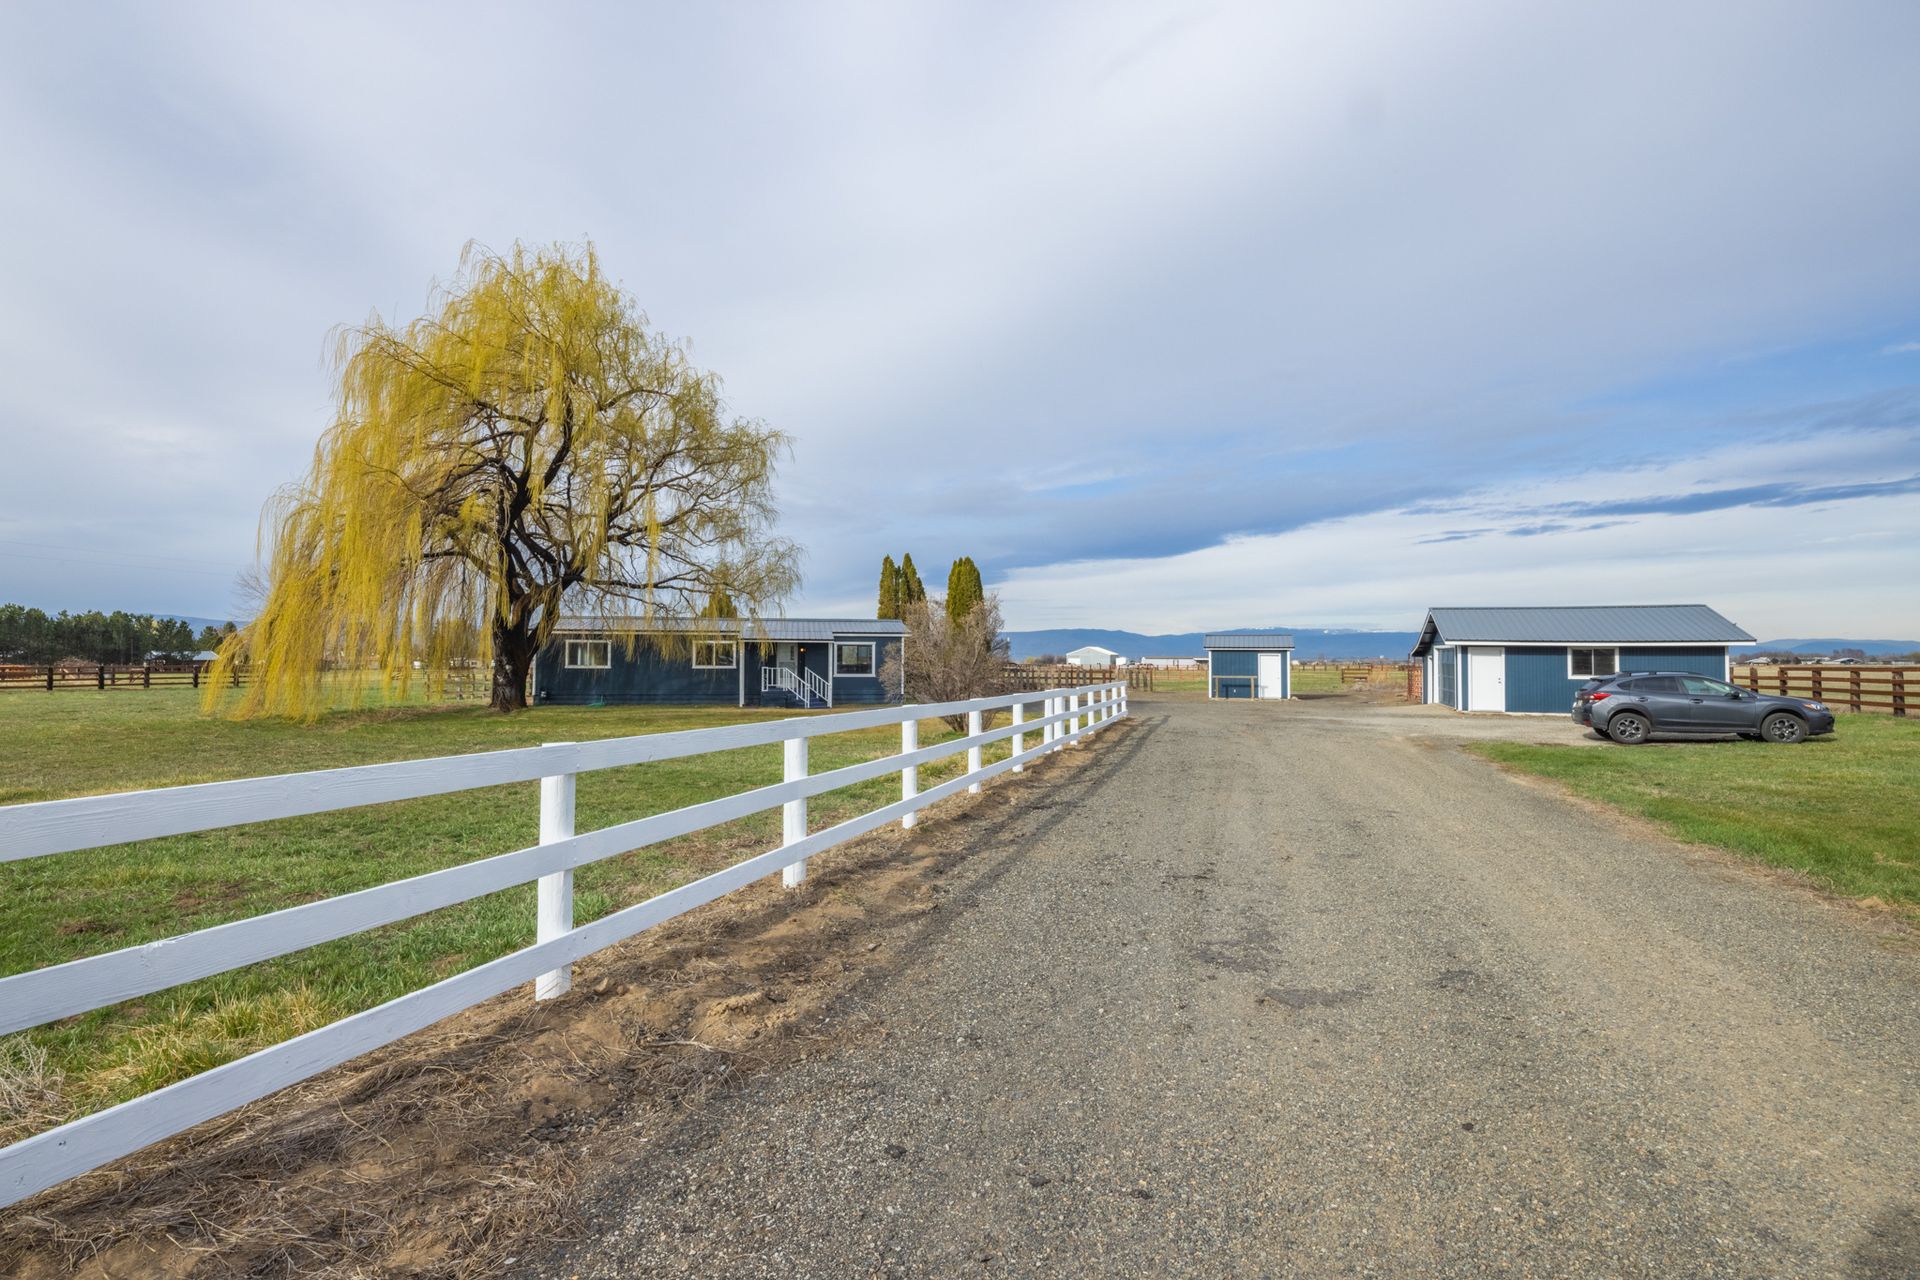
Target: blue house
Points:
(1249, 664)
(771, 662)
(1532, 659)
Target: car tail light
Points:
(1598, 697)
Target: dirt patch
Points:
(451, 1153)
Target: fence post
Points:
(554, 908)
(49, 677)
(793, 814)
(1899, 691)
(1019, 739)
(100, 675)
(974, 730)
(909, 776)
(1073, 725)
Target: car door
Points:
(1660, 697)
(1715, 705)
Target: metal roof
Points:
(1248, 640)
(1580, 624)
(752, 628)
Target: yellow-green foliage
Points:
(528, 443)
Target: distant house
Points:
(1532, 659)
(1093, 655)
(1249, 664)
(774, 662)
(1173, 663)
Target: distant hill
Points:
(1829, 646)
(1309, 642)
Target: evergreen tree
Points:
(912, 590)
(964, 589)
(889, 589)
(719, 605)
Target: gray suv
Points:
(1634, 705)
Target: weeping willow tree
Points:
(529, 445)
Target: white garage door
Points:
(1272, 675)
(1486, 679)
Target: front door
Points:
(1273, 675)
(784, 656)
(1486, 679)
(1716, 704)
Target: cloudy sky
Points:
(1172, 316)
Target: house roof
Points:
(1248, 640)
(751, 628)
(1093, 648)
(1580, 624)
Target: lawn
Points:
(1845, 809)
(70, 905)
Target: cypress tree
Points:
(964, 588)
(889, 589)
(912, 590)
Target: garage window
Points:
(1582, 663)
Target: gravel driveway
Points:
(1278, 990)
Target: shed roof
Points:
(752, 628)
(1580, 624)
(1265, 640)
(1093, 648)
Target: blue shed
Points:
(1249, 664)
(772, 662)
(1533, 659)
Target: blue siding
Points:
(855, 691)
(1537, 677)
(1231, 672)
(1537, 680)
(647, 676)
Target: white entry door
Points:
(1271, 677)
(1486, 679)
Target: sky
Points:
(1171, 316)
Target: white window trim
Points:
(1614, 649)
(873, 660)
(606, 650)
(733, 655)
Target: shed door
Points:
(1272, 676)
(1486, 679)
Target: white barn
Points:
(1093, 655)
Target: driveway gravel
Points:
(1304, 990)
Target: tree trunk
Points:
(513, 651)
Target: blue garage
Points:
(1249, 664)
(1532, 659)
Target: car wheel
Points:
(1783, 726)
(1629, 729)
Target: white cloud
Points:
(1817, 568)
(1900, 349)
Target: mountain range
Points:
(1312, 642)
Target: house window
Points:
(1582, 663)
(715, 655)
(592, 655)
(853, 658)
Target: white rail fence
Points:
(61, 826)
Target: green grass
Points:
(62, 907)
(1844, 810)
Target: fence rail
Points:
(1889, 689)
(53, 827)
(104, 675)
(1026, 675)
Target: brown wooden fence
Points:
(1030, 675)
(152, 675)
(1883, 689)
